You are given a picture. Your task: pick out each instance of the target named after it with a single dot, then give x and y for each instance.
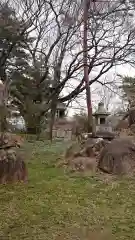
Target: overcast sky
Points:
(80, 102)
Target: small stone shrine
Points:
(100, 119)
(60, 112)
(62, 128)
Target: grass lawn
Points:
(58, 205)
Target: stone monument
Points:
(100, 119)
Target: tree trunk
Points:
(3, 119)
(3, 76)
(33, 125)
(3, 102)
(52, 119)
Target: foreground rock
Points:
(113, 157)
(118, 157)
(12, 165)
(84, 157)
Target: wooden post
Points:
(85, 57)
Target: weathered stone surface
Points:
(132, 129)
(84, 157)
(12, 165)
(82, 164)
(115, 157)
(118, 157)
(10, 140)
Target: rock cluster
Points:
(83, 157)
(113, 157)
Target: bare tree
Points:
(110, 43)
(106, 96)
(58, 45)
(54, 43)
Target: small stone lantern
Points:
(60, 111)
(100, 115)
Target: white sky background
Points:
(80, 103)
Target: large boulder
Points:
(83, 157)
(12, 165)
(118, 157)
